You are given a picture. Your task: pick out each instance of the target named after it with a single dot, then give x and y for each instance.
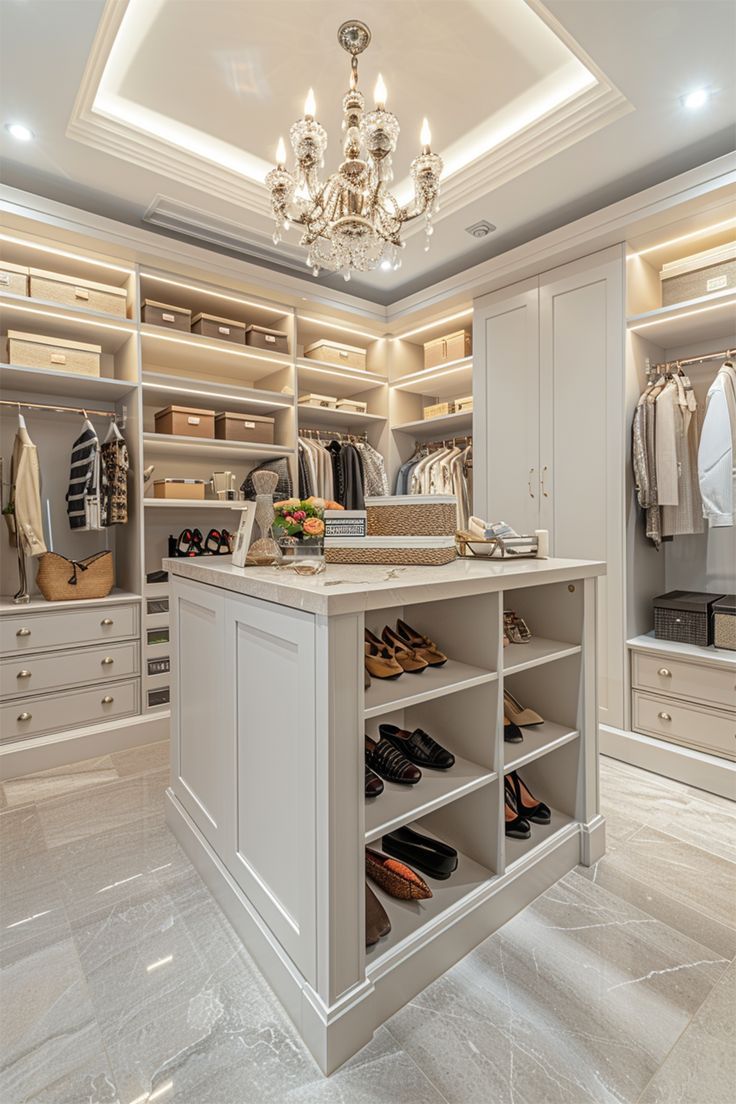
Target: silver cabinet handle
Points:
(23, 632)
(25, 716)
(664, 716)
(107, 661)
(23, 674)
(529, 483)
(107, 621)
(545, 492)
(107, 700)
(664, 672)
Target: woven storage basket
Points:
(724, 622)
(61, 580)
(412, 552)
(412, 516)
(685, 616)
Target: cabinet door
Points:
(203, 745)
(272, 670)
(582, 440)
(506, 390)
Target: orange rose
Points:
(313, 527)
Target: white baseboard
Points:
(692, 768)
(56, 749)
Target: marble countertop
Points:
(352, 588)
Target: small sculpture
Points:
(264, 551)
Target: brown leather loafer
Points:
(377, 923)
(395, 877)
(383, 758)
(422, 645)
(373, 784)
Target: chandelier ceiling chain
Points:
(351, 221)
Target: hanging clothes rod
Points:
(330, 435)
(722, 354)
(86, 410)
(446, 442)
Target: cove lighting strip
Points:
(448, 369)
(341, 373)
(280, 311)
(62, 253)
(685, 314)
(165, 387)
(684, 237)
(130, 329)
(433, 325)
(342, 329)
(196, 345)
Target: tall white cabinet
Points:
(549, 427)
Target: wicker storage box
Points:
(453, 346)
(223, 329)
(409, 551)
(438, 410)
(252, 428)
(56, 354)
(185, 421)
(327, 401)
(61, 580)
(161, 314)
(187, 489)
(724, 622)
(13, 278)
(73, 291)
(700, 274)
(260, 337)
(685, 616)
(333, 352)
(412, 516)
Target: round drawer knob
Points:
(664, 672)
(664, 716)
(107, 700)
(25, 716)
(23, 674)
(23, 632)
(107, 621)
(107, 661)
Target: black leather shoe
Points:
(373, 784)
(431, 856)
(383, 758)
(418, 746)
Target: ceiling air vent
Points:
(480, 229)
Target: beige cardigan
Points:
(25, 477)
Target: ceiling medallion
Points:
(351, 221)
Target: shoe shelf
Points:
(398, 805)
(538, 741)
(517, 849)
(522, 657)
(387, 695)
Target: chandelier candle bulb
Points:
(380, 93)
(281, 154)
(425, 136)
(310, 105)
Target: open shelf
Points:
(649, 642)
(37, 602)
(173, 390)
(19, 312)
(706, 318)
(538, 650)
(398, 805)
(198, 296)
(329, 379)
(235, 450)
(188, 352)
(446, 426)
(67, 385)
(385, 695)
(323, 416)
(517, 849)
(191, 504)
(445, 381)
(538, 740)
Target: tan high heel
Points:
(425, 648)
(379, 660)
(403, 653)
(515, 712)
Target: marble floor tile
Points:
(138, 760)
(702, 1064)
(31, 905)
(80, 1086)
(102, 808)
(20, 834)
(59, 781)
(3, 799)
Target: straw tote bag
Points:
(60, 579)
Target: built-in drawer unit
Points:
(36, 674)
(34, 716)
(67, 628)
(714, 686)
(681, 723)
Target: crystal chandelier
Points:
(351, 220)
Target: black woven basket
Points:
(685, 616)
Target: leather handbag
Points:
(61, 580)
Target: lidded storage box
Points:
(190, 490)
(724, 622)
(251, 428)
(58, 354)
(685, 616)
(161, 314)
(442, 350)
(260, 337)
(328, 401)
(14, 278)
(185, 421)
(438, 410)
(412, 516)
(353, 406)
(333, 352)
(700, 274)
(224, 329)
(75, 291)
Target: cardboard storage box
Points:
(700, 274)
(58, 354)
(14, 278)
(260, 337)
(252, 428)
(438, 410)
(186, 489)
(185, 421)
(160, 314)
(75, 291)
(327, 401)
(442, 350)
(333, 352)
(224, 329)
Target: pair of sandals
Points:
(515, 629)
(190, 542)
(400, 651)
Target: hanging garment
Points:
(687, 516)
(25, 495)
(717, 452)
(306, 490)
(86, 503)
(116, 463)
(284, 487)
(374, 468)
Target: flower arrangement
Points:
(300, 518)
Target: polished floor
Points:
(120, 981)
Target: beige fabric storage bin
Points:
(353, 406)
(56, 354)
(186, 489)
(438, 410)
(464, 405)
(73, 291)
(724, 623)
(161, 314)
(14, 278)
(260, 337)
(223, 329)
(391, 551)
(700, 274)
(185, 421)
(250, 428)
(333, 352)
(327, 401)
(412, 516)
(453, 346)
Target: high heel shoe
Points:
(512, 734)
(516, 627)
(183, 545)
(516, 826)
(425, 648)
(403, 653)
(525, 802)
(379, 659)
(515, 712)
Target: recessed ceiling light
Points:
(20, 132)
(696, 99)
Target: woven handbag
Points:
(61, 580)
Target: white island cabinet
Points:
(269, 717)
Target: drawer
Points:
(65, 628)
(36, 674)
(35, 716)
(691, 725)
(711, 685)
